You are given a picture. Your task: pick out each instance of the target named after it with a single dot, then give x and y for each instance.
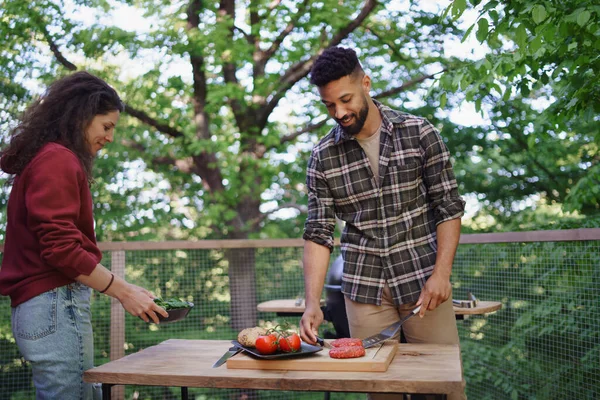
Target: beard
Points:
(361, 118)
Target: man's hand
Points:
(437, 290)
(309, 324)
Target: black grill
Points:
(335, 307)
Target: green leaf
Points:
(494, 16)
(535, 44)
(443, 100)
(446, 12)
(583, 17)
(539, 13)
(507, 93)
(482, 30)
(467, 33)
(458, 8)
(517, 56)
(521, 35)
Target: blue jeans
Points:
(54, 333)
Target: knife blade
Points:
(388, 332)
(228, 354)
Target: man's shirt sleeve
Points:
(438, 176)
(320, 222)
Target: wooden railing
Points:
(118, 252)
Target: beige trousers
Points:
(438, 326)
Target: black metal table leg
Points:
(106, 391)
(184, 393)
(327, 394)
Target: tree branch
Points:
(205, 163)
(227, 9)
(246, 35)
(301, 69)
(57, 53)
(145, 118)
(392, 46)
(344, 32)
(309, 128)
(185, 165)
(406, 85)
(267, 54)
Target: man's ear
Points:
(366, 84)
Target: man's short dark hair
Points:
(333, 64)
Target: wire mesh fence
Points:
(543, 344)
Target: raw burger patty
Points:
(347, 352)
(346, 342)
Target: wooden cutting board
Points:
(376, 359)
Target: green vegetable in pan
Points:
(171, 304)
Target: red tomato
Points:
(266, 344)
(289, 344)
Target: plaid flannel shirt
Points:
(390, 225)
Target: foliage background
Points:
(220, 121)
(220, 117)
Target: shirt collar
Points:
(389, 118)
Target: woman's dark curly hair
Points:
(333, 64)
(60, 115)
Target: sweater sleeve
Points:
(53, 201)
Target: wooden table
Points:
(289, 307)
(416, 368)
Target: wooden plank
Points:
(566, 235)
(117, 321)
(283, 306)
(416, 368)
(376, 359)
(483, 307)
(205, 244)
(289, 306)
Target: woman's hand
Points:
(139, 302)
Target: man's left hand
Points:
(437, 290)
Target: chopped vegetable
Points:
(171, 304)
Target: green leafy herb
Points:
(171, 304)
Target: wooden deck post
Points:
(117, 321)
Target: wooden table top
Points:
(416, 368)
(289, 306)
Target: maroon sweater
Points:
(50, 236)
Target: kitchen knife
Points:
(323, 343)
(230, 353)
(388, 332)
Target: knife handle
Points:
(322, 342)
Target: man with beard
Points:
(388, 176)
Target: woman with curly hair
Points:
(51, 260)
